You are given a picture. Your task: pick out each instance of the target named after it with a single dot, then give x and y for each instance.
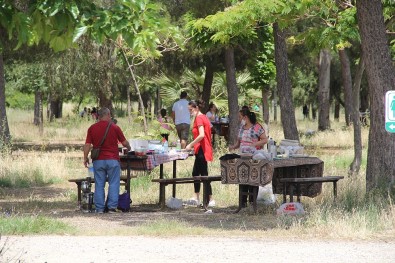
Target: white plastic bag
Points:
(174, 203)
(265, 194)
(293, 208)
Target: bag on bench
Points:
(124, 202)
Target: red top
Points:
(109, 148)
(205, 143)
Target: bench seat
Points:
(206, 180)
(295, 182)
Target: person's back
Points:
(106, 165)
(180, 111)
(182, 119)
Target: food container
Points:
(224, 120)
(155, 146)
(140, 151)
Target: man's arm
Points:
(87, 148)
(126, 144)
(173, 116)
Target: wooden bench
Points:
(291, 182)
(79, 181)
(206, 180)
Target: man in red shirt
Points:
(106, 166)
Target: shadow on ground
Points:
(61, 203)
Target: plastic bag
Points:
(265, 194)
(124, 202)
(293, 208)
(174, 203)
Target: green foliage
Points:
(25, 77)
(25, 179)
(14, 225)
(19, 100)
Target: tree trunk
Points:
(129, 105)
(274, 107)
(208, 82)
(356, 163)
(284, 85)
(347, 84)
(38, 111)
(380, 171)
(231, 86)
(323, 90)
(313, 111)
(136, 86)
(5, 137)
(336, 114)
(104, 100)
(265, 103)
(54, 108)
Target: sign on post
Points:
(390, 111)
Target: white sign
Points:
(390, 111)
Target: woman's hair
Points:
(197, 103)
(250, 115)
(163, 112)
(210, 106)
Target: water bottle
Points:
(270, 143)
(165, 146)
(178, 145)
(91, 173)
(272, 149)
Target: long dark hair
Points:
(197, 104)
(250, 115)
(210, 106)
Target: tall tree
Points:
(284, 85)
(380, 72)
(323, 90)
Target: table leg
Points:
(162, 193)
(161, 189)
(240, 200)
(298, 192)
(254, 197)
(284, 192)
(174, 176)
(291, 192)
(334, 191)
(79, 199)
(205, 194)
(128, 176)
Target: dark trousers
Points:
(200, 169)
(249, 189)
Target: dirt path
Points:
(190, 249)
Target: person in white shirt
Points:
(182, 119)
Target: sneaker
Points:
(112, 210)
(193, 202)
(99, 212)
(211, 203)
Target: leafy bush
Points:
(19, 100)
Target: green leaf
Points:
(79, 32)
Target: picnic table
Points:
(148, 163)
(246, 171)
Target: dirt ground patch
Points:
(54, 201)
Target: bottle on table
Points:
(271, 147)
(165, 146)
(178, 145)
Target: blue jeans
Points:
(106, 170)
